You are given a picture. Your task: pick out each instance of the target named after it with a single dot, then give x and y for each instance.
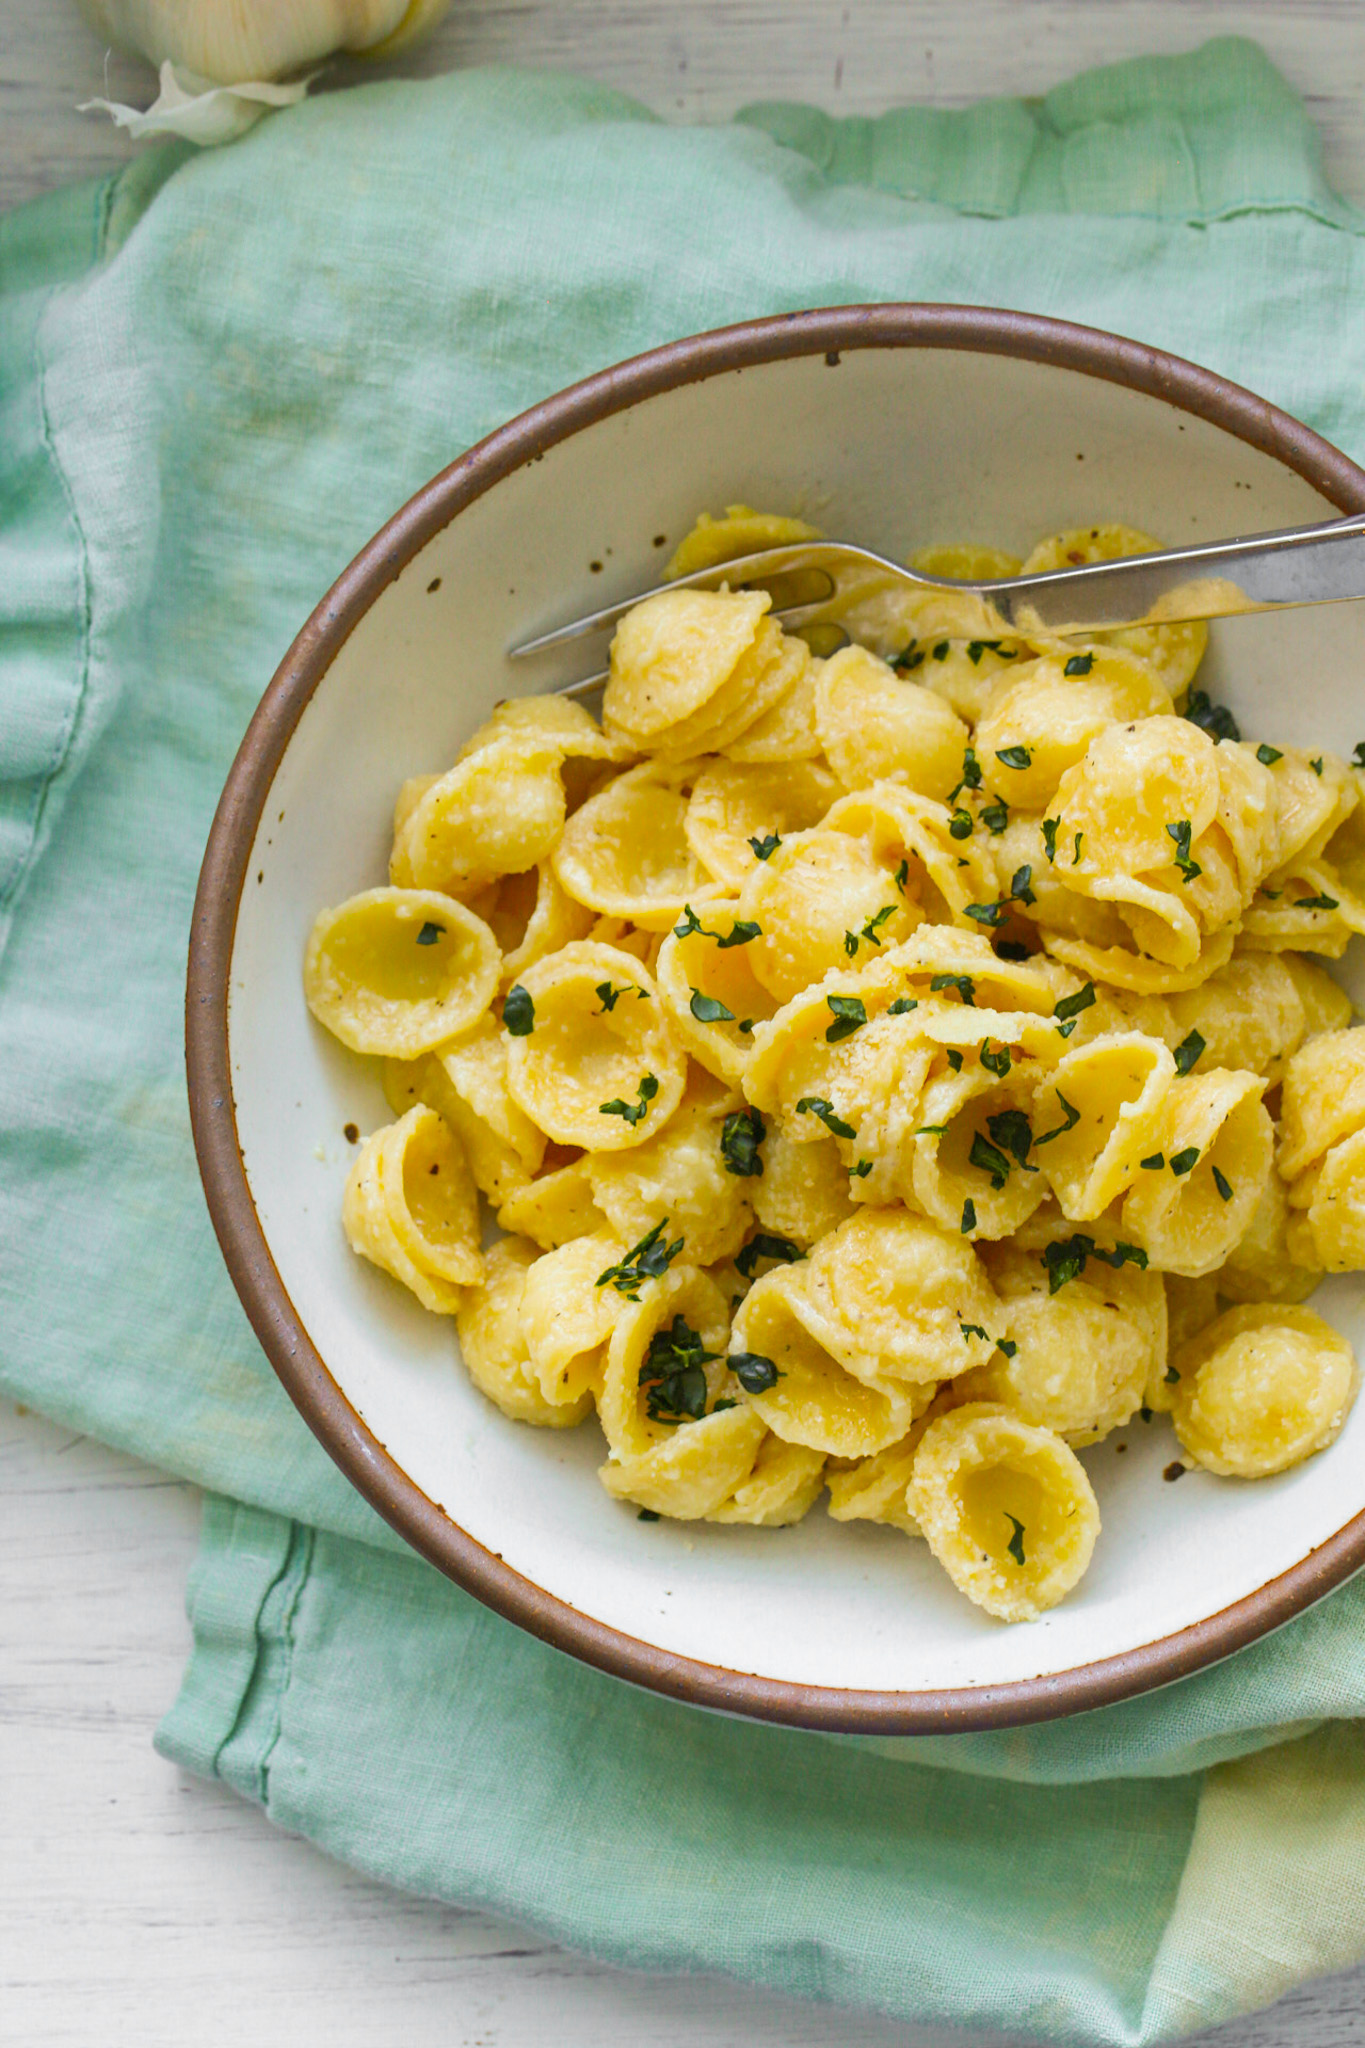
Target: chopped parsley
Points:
(988, 913)
(940, 651)
(902, 1006)
(1073, 1117)
(987, 1158)
(970, 1330)
(1153, 1163)
(1079, 665)
(674, 1374)
(1076, 850)
(971, 774)
(850, 1014)
(633, 1112)
(709, 1009)
(1007, 1345)
(647, 1260)
(1268, 756)
(1015, 1546)
(764, 1245)
(1358, 757)
(1184, 1162)
(995, 816)
(1068, 1010)
(649, 1515)
(815, 1105)
(610, 996)
(861, 1170)
(870, 931)
(1223, 1184)
(519, 1012)
(755, 1373)
(1180, 833)
(739, 934)
(1013, 757)
(1021, 885)
(968, 1217)
(1315, 903)
(766, 847)
(954, 1059)
(1316, 765)
(1050, 837)
(1012, 1131)
(1187, 1053)
(997, 1063)
(1214, 719)
(741, 1134)
(1171, 1376)
(902, 876)
(963, 983)
(429, 933)
(1066, 1259)
(960, 825)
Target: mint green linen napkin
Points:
(220, 373)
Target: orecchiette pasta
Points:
(896, 1064)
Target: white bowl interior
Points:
(895, 448)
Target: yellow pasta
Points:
(875, 726)
(1261, 1389)
(1006, 1509)
(396, 971)
(898, 1054)
(598, 1065)
(493, 1343)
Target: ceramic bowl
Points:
(894, 425)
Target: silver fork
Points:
(1297, 565)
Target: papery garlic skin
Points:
(228, 41)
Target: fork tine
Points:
(767, 562)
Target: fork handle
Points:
(1298, 565)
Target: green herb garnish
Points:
(1012, 1131)
(960, 825)
(1068, 1010)
(1187, 1052)
(1079, 665)
(674, 1374)
(519, 1012)
(1014, 757)
(648, 1260)
(1180, 833)
(709, 1010)
(633, 1112)
(1316, 765)
(963, 983)
(1050, 837)
(1153, 1163)
(997, 1063)
(861, 1170)
(1184, 1162)
(755, 1373)
(1066, 1259)
(741, 1134)
(970, 1330)
(902, 1006)
(1268, 756)
(987, 1158)
(1015, 1546)
(1214, 719)
(766, 847)
(954, 1059)
(968, 1216)
(850, 1014)
(815, 1105)
(1021, 890)
(988, 913)
(741, 932)
(995, 816)
(1073, 1117)
(971, 774)
(1315, 903)
(610, 996)
(429, 933)
(1223, 1184)
(764, 1245)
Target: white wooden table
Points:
(141, 1907)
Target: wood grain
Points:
(141, 1907)
(701, 60)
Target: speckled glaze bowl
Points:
(893, 425)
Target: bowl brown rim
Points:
(365, 1461)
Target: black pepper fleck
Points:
(1175, 1470)
(351, 1133)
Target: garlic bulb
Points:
(227, 41)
